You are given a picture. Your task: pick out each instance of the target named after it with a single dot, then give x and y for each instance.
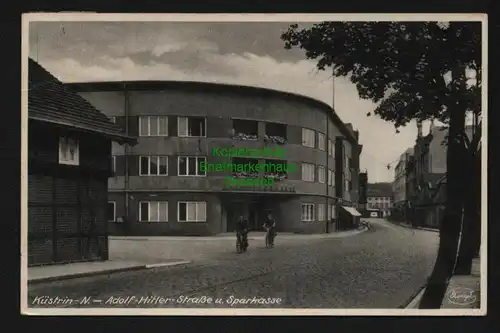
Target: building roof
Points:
(379, 190)
(49, 100)
(346, 130)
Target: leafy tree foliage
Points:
(399, 65)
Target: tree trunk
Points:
(451, 224)
(471, 234)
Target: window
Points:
(111, 211)
(245, 129)
(321, 174)
(331, 211)
(331, 178)
(69, 151)
(113, 119)
(308, 172)
(153, 165)
(331, 148)
(321, 212)
(308, 137)
(153, 126)
(191, 166)
(307, 213)
(153, 211)
(321, 141)
(191, 126)
(349, 185)
(275, 129)
(192, 211)
(113, 164)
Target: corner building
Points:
(159, 189)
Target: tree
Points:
(405, 67)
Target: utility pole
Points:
(37, 45)
(327, 151)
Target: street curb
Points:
(414, 299)
(219, 238)
(104, 272)
(167, 264)
(414, 228)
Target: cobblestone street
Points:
(380, 268)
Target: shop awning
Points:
(351, 210)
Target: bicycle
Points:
(241, 243)
(269, 239)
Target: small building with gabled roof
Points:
(69, 163)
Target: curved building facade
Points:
(182, 176)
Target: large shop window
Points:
(153, 211)
(308, 137)
(308, 172)
(153, 126)
(69, 152)
(192, 126)
(191, 166)
(192, 211)
(153, 165)
(111, 211)
(308, 213)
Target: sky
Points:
(249, 53)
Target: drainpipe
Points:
(327, 150)
(126, 153)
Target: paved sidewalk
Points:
(48, 273)
(463, 291)
(406, 225)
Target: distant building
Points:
(380, 198)
(429, 171)
(402, 183)
(161, 188)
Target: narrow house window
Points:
(69, 151)
(308, 213)
(308, 172)
(321, 212)
(308, 137)
(321, 141)
(321, 174)
(111, 211)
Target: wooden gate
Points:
(66, 219)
